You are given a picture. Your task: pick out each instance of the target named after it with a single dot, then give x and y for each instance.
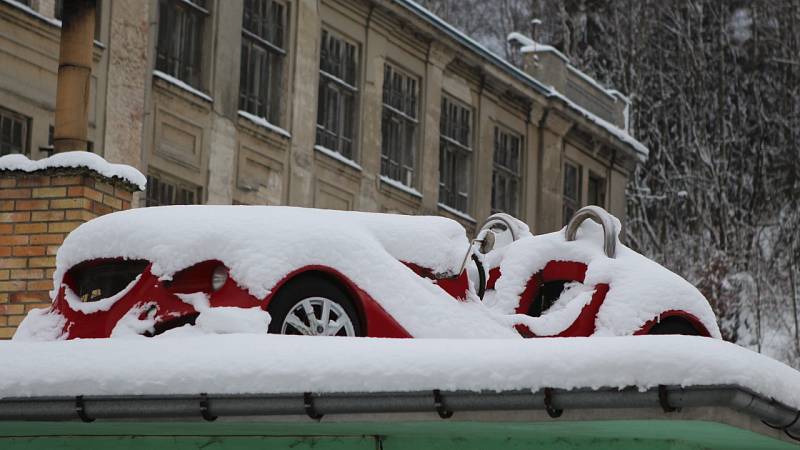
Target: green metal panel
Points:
(619, 435)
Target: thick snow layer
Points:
(237, 364)
(261, 245)
(75, 159)
(639, 289)
(41, 324)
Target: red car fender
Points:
(379, 322)
(691, 318)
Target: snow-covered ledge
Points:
(75, 160)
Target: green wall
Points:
(619, 435)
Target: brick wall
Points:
(37, 211)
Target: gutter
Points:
(446, 403)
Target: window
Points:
(455, 154)
(263, 53)
(13, 132)
(180, 39)
(162, 191)
(506, 172)
(399, 125)
(572, 190)
(336, 110)
(597, 190)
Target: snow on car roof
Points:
(639, 288)
(263, 244)
(265, 364)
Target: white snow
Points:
(182, 85)
(399, 185)
(41, 324)
(237, 364)
(261, 245)
(103, 304)
(34, 13)
(639, 289)
(264, 123)
(135, 323)
(337, 156)
(75, 159)
(456, 212)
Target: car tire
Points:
(674, 325)
(314, 290)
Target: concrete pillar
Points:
(303, 118)
(438, 58)
(127, 82)
(551, 158)
(371, 114)
(225, 90)
(74, 76)
(484, 156)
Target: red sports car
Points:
(153, 271)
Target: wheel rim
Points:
(318, 316)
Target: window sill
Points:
(169, 79)
(265, 124)
(400, 186)
(338, 156)
(457, 213)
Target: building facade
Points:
(372, 105)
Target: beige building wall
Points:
(197, 139)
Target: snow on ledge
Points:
(74, 160)
(338, 156)
(272, 364)
(457, 213)
(264, 123)
(182, 85)
(400, 186)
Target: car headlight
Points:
(219, 277)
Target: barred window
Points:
(455, 154)
(336, 109)
(572, 190)
(180, 39)
(263, 53)
(506, 172)
(163, 191)
(597, 190)
(399, 125)
(13, 132)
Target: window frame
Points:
(346, 94)
(600, 191)
(24, 132)
(253, 98)
(178, 65)
(502, 171)
(452, 147)
(157, 179)
(407, 129)
(568, 203)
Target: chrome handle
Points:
(600, 216)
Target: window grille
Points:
(506, 172)
(336, 109)
(455, 155)
(263, 54)
(180, 39)
(399, 125)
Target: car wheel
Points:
(673, 325)
(313, 306)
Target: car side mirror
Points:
(487, 243)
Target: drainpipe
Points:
(74, 76)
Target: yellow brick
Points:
(15, 217)
(30, 228)
(15, 320)
(62, 227)
(40, 285)
(49, 192)
(70, 203)
(4, 274)
(104, 187)
(7, 332)
(13, 263)
(30, 306)
(3, 321)
(39, 239)
(92, 194)
(112, 202)
(52, 250)
(12, 286)
(66, 181)
(47, 216)
(80, 214)
(4, 298)
(42, 261)
(9, 309)
(27, 274)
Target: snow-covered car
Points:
(155, 271)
